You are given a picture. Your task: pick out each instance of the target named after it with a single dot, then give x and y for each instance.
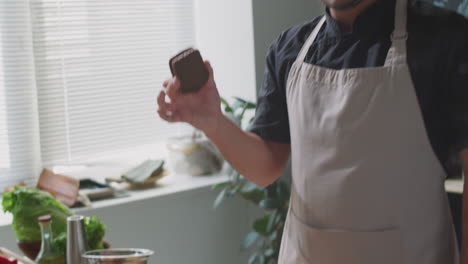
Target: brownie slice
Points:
(189, 67)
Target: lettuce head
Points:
(26, 204)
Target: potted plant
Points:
(265, 238)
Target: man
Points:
(371, 99)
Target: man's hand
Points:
(464, 249)
(200, 109)
(260, 161)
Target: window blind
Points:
(99, 67)
(19, 141)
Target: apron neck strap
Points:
(399, 35)
(401, 16)
(305, 49)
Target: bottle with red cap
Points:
(48, 254)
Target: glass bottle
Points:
(48, 254)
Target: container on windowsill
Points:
(194, 155)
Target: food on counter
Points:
(141, 173)
(27, 204)
(12, 257)
(5, 260)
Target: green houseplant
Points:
(265, 238)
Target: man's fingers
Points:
(162, 99)
(167, 111)
(171, 117)
(166, 83)
(172, 89)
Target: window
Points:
(19, 141)
(87, 83)
(4, 146)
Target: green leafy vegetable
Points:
(95, 231)
(26, 204)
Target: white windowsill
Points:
(115, 164)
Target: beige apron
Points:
(367, 186)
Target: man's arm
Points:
(464, 253)
(262, 162)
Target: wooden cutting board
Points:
(62, 187)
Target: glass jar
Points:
(194, 156)
(48, 254)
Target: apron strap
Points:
(397, 52)
(305, 49)
(401, 16)
(399, 35)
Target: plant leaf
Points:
(271, 222)
(260, 225)
(253, 259)
(269, 252)
(268, 204)
(261, 259)
(249, 240)
(249, 104)
(227, 108)
(220, 186)
(237, 105)
(219, 198)
(273, 236)
(249, 187)
(255, 197)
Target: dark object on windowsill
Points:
(94, 190)
(190, 69)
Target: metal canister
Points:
(76, 239)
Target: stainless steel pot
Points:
(120, 255)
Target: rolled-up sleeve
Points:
(271, 117)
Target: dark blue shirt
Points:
(437, 57)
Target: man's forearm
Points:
(259, 161)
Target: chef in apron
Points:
(390, 207)
(367, 187)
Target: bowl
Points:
(31, 249)
(119, 255)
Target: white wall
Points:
(225, 38)
(271, 17)
(235, 36)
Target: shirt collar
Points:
(376, 20)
